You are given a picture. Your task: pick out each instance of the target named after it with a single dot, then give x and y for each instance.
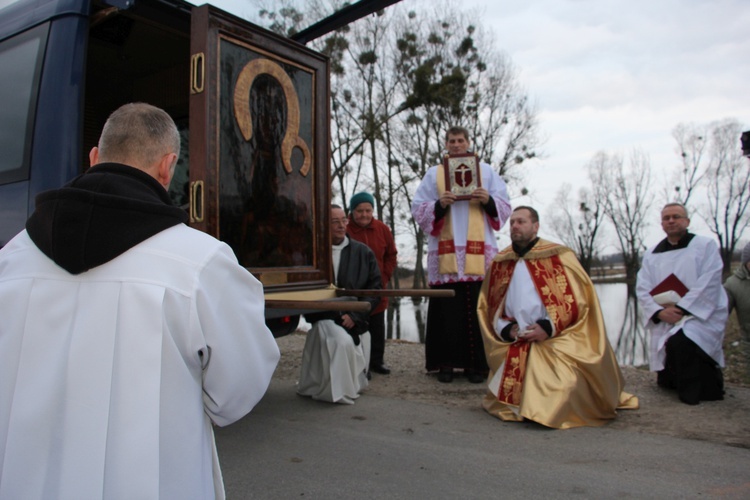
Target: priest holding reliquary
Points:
(685, 309)
(459, 204)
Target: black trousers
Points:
(453, 338)
(691, 372)
(377, 338)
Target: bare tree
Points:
(399, 81)
(370, 83)
(579, 224)
(503, 120)
(451, 74)
(691, 148)
(728, 188)
(626, 202)
(356, 60)
(285, 17)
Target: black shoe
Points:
(475, 378)
(445, 375)
(381, 369)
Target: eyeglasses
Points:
(667, 218)
(339, 222)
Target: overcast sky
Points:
(615, 75)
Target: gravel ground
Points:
(726, 422)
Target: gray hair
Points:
(676, 204)
(138, 134)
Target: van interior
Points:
(139, 54)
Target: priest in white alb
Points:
(336, 355)
(687, 330)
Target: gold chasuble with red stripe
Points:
(569, 380)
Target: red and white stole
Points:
(554, 289)
(447, 263)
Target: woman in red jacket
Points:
(376, 235)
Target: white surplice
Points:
(333, 368)
(423, 211)
(110, 380)
(699, 267)
(523, 304)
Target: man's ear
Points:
(93, 156)
(165, 169)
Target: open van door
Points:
(259, 157)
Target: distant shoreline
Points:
(606, 281)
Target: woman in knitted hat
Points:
(368, 230)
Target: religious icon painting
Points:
(259, 136)
(462, 174)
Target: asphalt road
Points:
(293, 447)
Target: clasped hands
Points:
(447, 198)
(347, 321)
(671, 314)
(533, 333)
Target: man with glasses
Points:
(336, 353)
(685, 309)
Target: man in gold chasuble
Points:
(544, 336)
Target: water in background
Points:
(621, 317)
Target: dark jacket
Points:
(358, 270)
